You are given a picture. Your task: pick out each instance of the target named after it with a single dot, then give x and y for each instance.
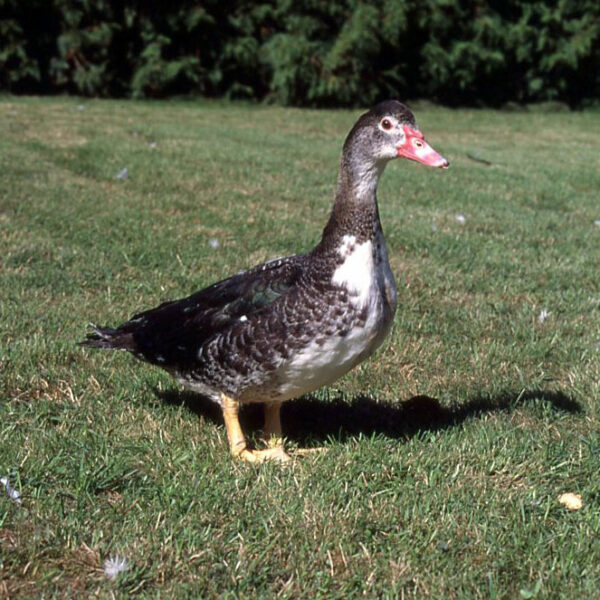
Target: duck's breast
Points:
(346, 337)
(366, 274)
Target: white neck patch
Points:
(356, 273)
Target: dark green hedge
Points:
(305, 52)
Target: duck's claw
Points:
(277, 453)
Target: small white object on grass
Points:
(122, 174)
(10, 490)
(152, 144)
(114, 565)
(597, 223)
(571, 501)
(544, 314)
(460, 218)
(213, 243)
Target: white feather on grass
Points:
(12, 493)
(114, 565)
(543, 316)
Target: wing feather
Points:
(173, 333)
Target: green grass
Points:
(445, 453)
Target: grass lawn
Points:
(445, 453)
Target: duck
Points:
(291, 325)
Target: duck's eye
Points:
(386, 124)
(418, 143)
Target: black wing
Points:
(172, 333)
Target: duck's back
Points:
(173, 334)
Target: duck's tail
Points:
(108, 338)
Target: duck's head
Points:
(389, 131)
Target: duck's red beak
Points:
(416, 148)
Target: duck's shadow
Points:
(309, 421)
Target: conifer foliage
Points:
(305, 52)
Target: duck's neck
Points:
(355, 211)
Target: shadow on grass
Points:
(309, 421)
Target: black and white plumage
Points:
(291, 325)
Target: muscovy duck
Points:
(290, 325)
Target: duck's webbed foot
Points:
(257, 456)
(237, 441)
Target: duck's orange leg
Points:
(272, 428)
(273, 435)
(272, 431)
(237, 441)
